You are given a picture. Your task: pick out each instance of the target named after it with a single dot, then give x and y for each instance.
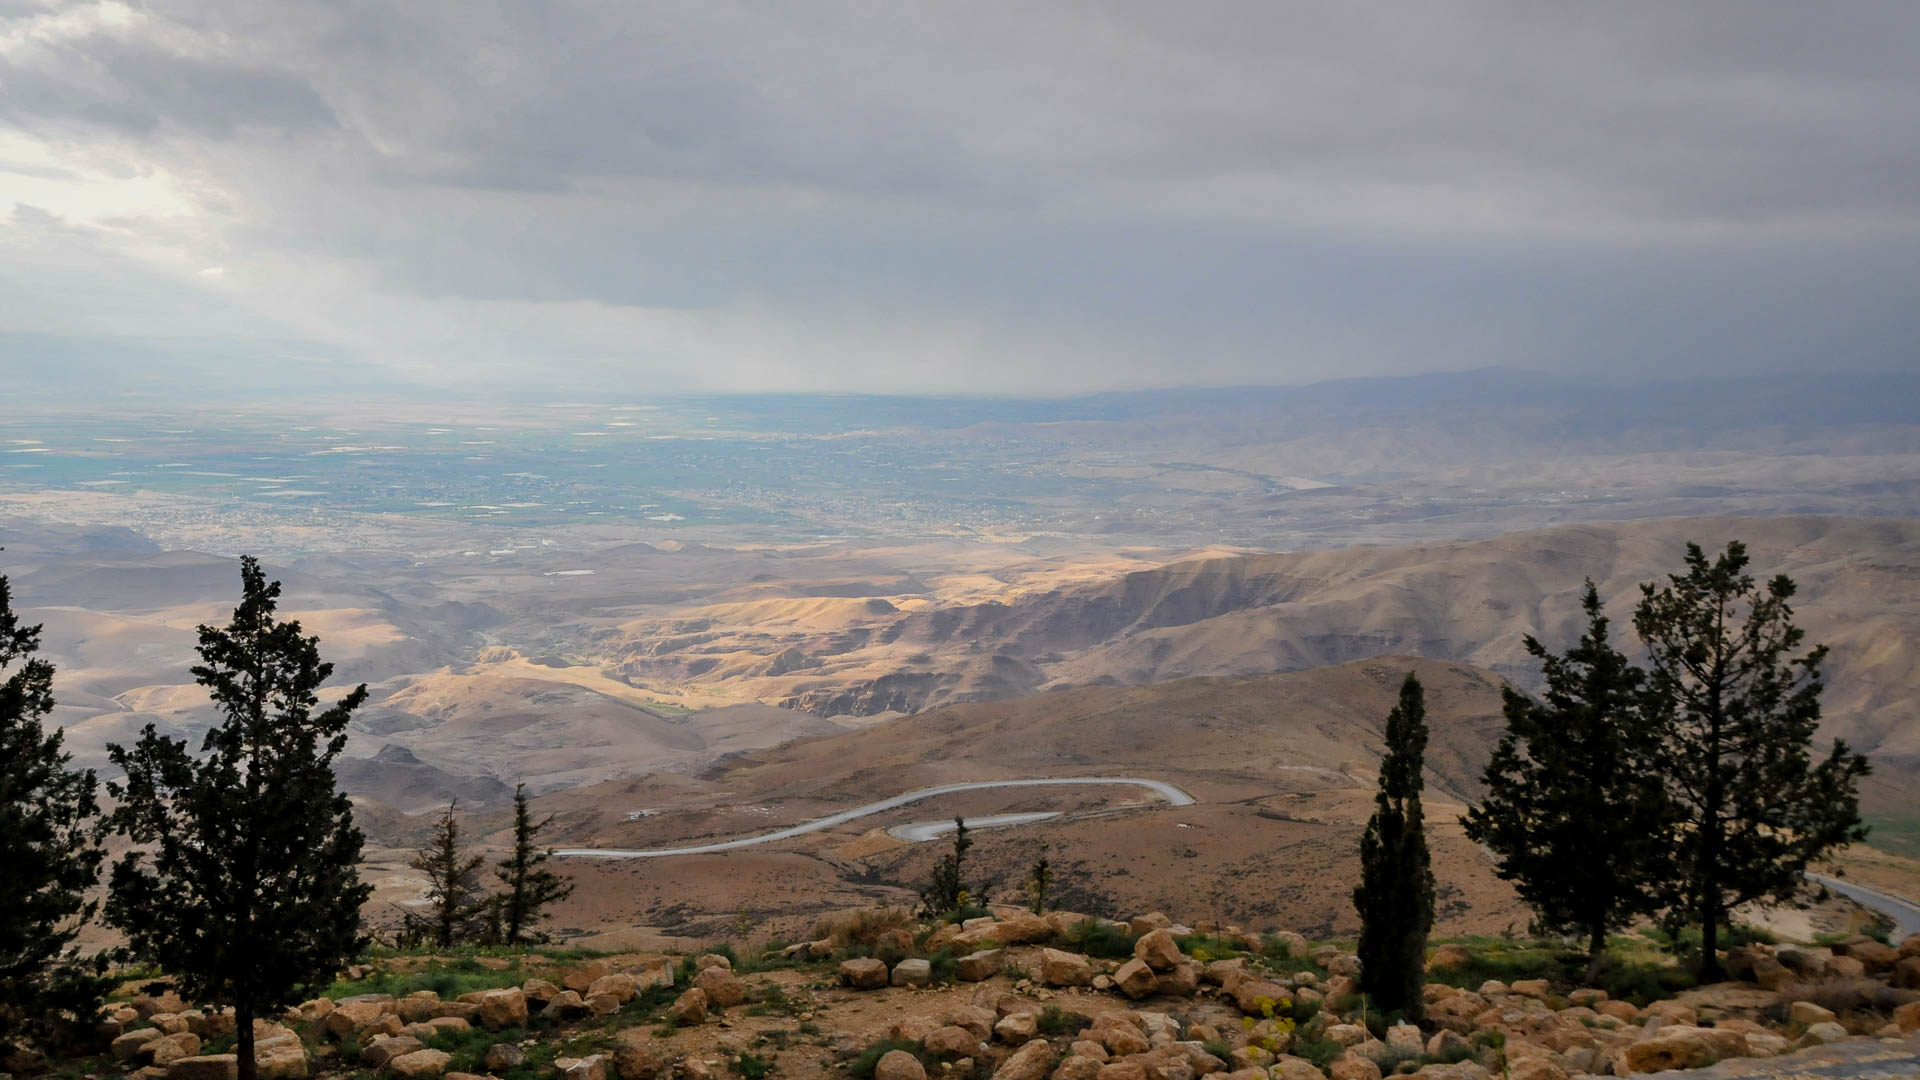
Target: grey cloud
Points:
(1201, 192)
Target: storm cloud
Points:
(990, 197)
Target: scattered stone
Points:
(387, 1047)
(1806, 1012)
(591, 1067)
(1351, 1066)
(1146, 924)
(1824, 1032)
(1182, 980)
(503, 1056)
(622, 987)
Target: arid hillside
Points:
(1469, 601)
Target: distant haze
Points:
(566, 199)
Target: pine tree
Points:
(529, 888)
(456, 904)
(1040, 881)
(1575, 814)
(1395, 894)
(1739, 713)
(946, 892)
(245, 886)
(49, 850)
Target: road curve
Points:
(1173, 795)
(1904, 913)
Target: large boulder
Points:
(168, 1049)
(864, 973)
(979, 966)
(1257, 997)
(620, 986)
(689, 1009)
(1017, 1028)
(1134, 979)
(1064, 968)
(126, 1046)
(1180, 980)
(1158, 950)
(281, 1058)
(503, 1056)
(952, 1041)
(1351, 1066)
(896, 1065)
(914, 972)
(387, 1047)
(1031, 1062)
(501, 1009)
(723, 987)
(1021, 928)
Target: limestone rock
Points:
(637, 1058)
(1016, 1028)
(1353, 1067)
(387, 1047)
(914, 972)
(168, 1049)
(126, 1046)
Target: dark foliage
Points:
(530, 887)
(1576, 814)
(1395, 894)
(245, 886)
(1739, 712)
(49, 849)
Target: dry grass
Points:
(862, 927)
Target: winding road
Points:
(1903, 912)
(1173, 795)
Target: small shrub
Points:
(1321, 1052)
(1054, 1020)
(753, 1066)
(1095, 938)
(946, 967)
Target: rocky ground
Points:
(1018, 996)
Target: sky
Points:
(530, 198)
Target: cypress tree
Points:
(245, 886)
(49, 849)
(947, 890)
(1040, 881)
(529, 887)
(1576, 815)
(456, 906)
(1395, 894)
(1739, 712)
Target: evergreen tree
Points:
(946, 892)
(456, 904)
(245, 886)
(529, 887)
(1395, 894)
(1740, 712)
(1575, 813)
(50, 853)
(1040, 881)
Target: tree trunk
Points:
(1596, 951)
(243, 1040)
